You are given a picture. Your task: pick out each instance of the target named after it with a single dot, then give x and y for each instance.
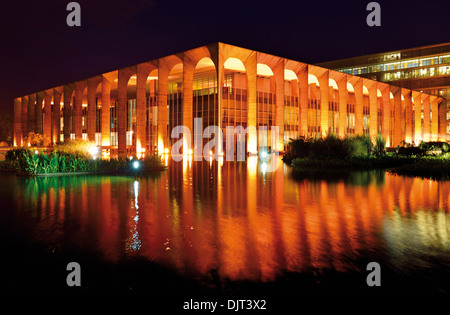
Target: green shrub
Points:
(332, 147)
(380, 145)
(360, 146)
(153, 160)
(17, 153)
(329, 147)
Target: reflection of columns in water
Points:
(277, 225)
(134, 241)
(251, 224)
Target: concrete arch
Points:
(350, 87)
(263, 70)
(365, 90)
(270, 79)
(123, 89)
(107, 90)
(165, 66)
(142, 83)
(234, 64)
(290, 75)
(244, 64)
(332, 83)
(291, 83)
(312, 79)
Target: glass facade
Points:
(404, 69)
(291, 117)
(205, 96)
(425, 69)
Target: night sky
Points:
(39, 51)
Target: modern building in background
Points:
(133, 110)
(425, 69)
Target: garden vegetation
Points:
(428, 159)
(72, 157)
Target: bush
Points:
(17, 153)
(380, 145)
(152, 161)
(360, 146)
(408, 151)
(298, 147)
(329, 147)
(332, 147)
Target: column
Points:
(39, 100)
(24, 119)
(417, 98)
(141, 141)
(106, 114)
(57, 93)
(31, 113)
(78, 110)
(386, 114)
(434, 118)
(278, 71)
(250, 66)
(343, 100)
(397, 115)
(426, 117)
(92, 107)
(324, 102)
(408, 116)
(17, 122)
(302, 76)
(359, 107)
(47, 124)
(124, 76)
(373, 111)
(443, 120)
(163, 75)
(67, 129)
(188, 118)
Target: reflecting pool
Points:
(239, 221)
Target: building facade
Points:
(133, 110)
(425, 69)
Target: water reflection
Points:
(239, 219)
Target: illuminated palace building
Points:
(133, 110)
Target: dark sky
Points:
(39, 51)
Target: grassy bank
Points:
(27, 162)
